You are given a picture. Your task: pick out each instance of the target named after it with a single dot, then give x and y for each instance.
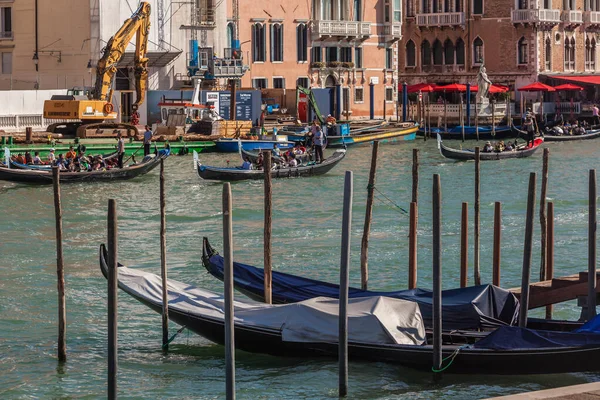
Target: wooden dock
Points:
(558, 290)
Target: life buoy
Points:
(108, 108)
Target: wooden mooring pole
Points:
(550, 252)
(593, 225)
(268, 225)
(228, 293)
(497, 239)
(112, 298)
(476, 270)
(437, 276)
(364, 245)
(163, 259)
(412, 247)
(527, 247)
(464, 245)
(415, 176)
(543, 219)
(60, 270)
(344, 268)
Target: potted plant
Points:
(334, 64)
(317, 64)
(348, 64)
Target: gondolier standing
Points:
(318, 140)
(120, 149)
(529, 127)
(147, 140)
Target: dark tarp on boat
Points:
(513, 337)
(474, 307)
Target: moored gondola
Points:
(240, 174)
(45, 177)
(279, 330)
(463, 155)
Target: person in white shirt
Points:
(51, 156)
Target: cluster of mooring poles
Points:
(546, 272)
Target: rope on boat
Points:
(390, 201)
(451, 357)
(174, 336)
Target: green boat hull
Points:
(97, 146)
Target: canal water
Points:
(306, 229)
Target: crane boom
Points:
(139, 24)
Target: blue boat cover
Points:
(474, 307)
(512, 337)
(592, 326)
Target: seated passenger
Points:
(488, 148)
(61, 163)
(70, 154)
(246, 164)
(36, 159)
(28, 159)
(509, 147)
(20, 159)
(51, 156)
(292, 162)
(259, 161)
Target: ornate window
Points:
(316, 54)
(425, 53)
(569, 54)
(448, 52)
(301, 43)
(590, 54)
(259, 43)
(438, 53)
(411, 59)
(277, 42)
(460, 52)
(522, 51)
(548, 55)
(477, 51)
(478, 7)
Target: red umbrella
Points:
(453, 87)
(421, 87)
(568, 86)
(537, 87)
(493, 89)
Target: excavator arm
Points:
(313, 103)
(139, 24)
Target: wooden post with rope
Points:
(364, 246)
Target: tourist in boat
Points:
(276, 150)
(36, 158)
(595, 115)
(51, 156)
(291, 161)
(509, 147)
(70, 156)
(499, 148)
(120, 149)
(259, 161)
(147, 140)
(20, 159)
(246, 164)
(61, 163)
(318, 144)
(488, 148)
(28, 158)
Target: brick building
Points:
(519, 41)
(323, 43)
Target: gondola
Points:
(392, 133)
(485, 133)
(595, 134)
(252, 156)
(239, 174)
(45, 177)
(48, 167)
(522, 151)
(297, 330)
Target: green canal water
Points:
(307, 224)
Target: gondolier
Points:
(529, 127)
(318, 140)
(120, 149)
(147, 140)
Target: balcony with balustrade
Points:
(571, 18)
(6, 35)
(392, 32)
(591, 19)
(336, 30)
(537, 16)
(432, 20)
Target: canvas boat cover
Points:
(474, 307)
(376, 320)
(512, 338)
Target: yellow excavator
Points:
(88, 108)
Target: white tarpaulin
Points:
(380, 320)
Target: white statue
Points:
(483, 85)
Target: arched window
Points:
(231, 34)
(259, 43)
(301, 43)
(569, 54)
(425, 53)
(572, 51)
(276, 42)
(357, 10)
(548, 54)
(411, 57)
(460, 52)
(522, 51)
(448, 52)
(438, 53)
(590, 54)
(477, 51)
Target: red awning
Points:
(536, 87)
(420, 87)
(493, 89)
(568, 86)
(453, 87)
(590, 79)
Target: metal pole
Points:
(550, 253)
(228, 293)
(468, 104)
(112, 298)
(464, 245)
(268, 225)
(412, 247)
(476, 270)
(524, 300)
(497, 239)
(364, 246)
(593, 224)
(543, 220)
(437, 274)
(60, 269)
(163, 259)
(344, 267)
